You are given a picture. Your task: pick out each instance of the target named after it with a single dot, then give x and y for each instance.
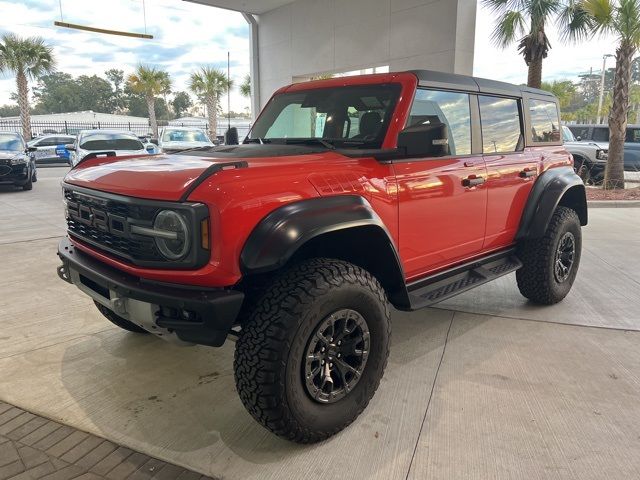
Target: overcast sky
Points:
(188, 35)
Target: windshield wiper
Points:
(192, 149)
(311, 141)
(259, 140)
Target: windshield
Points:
(185, 136)
(342, 116)
(11, 143)
(567, 135)
(110, 141)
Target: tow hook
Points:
(63, 273)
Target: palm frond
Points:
(32, 56)
(574, 22)
(509, 27)
(626, 22)
(602, 13)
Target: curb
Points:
(613, 203)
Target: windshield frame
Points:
(387, 128)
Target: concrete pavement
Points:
(483, 386)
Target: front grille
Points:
(124, 245)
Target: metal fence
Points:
(140, 129)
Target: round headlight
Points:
(170, 221)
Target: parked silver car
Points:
(51, 148)
(173, 139)
(107, 142)
(589, 158)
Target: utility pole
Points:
(604, 67)
(228, 90)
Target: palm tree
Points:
(524, 21)
(150, 82)
(210, 84)
(621, 18)
(245, 86)
(28, 58)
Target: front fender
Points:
(282, 232)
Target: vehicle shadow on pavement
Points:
(180, 403)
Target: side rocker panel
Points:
(554, 187)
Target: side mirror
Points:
(425, 140)
(71, 147)
(579, 138)
(231, 136)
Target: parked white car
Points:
(589, 157)
(104, 142)
(173, 139)
(51, 148)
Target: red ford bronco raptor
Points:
(348, 195)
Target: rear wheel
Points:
(118, 320)
(313, 350)
(550, 263)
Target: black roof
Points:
(431, 78)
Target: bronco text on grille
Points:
(124, 226)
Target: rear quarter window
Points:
(545, 121)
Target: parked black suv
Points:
(17, 166)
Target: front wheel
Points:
(313, 350)
(550, 263)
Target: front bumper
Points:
(14, 175)
(202, 316)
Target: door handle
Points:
(527, 173)
(472, 181)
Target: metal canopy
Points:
(247, 6)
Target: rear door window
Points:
(450, 108)
(501, 126)
(600, 134)
(545, 121)
(633, 135)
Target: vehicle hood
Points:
(9, 155)
(586, 143)
(168, 177)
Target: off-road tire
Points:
(118, 320)
(269, 354)
(536, 279)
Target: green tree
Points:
(56, 93)
(9, 110)
(116, 78)
(181, 103)
(28, 58)
(621, 18)
(151, 82)
(94, 93)
(524, 21)
(245, 86)
(210, 84)
(565, 90)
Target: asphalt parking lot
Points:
(484, 386)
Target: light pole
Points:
(604, 66)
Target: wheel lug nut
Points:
(330, 365)
(339, 342)
(338, 355)
(322, 362)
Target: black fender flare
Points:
(556, 186)
(284, 231)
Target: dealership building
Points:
(295, 40)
